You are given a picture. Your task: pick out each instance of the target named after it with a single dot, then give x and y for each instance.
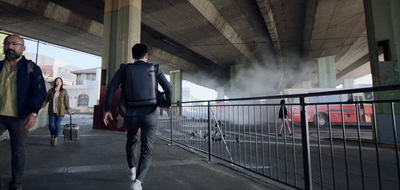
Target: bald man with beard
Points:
(22, 95)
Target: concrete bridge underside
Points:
(272, 40)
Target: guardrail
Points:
(334, 144)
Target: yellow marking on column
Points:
(115, 5)
(134, 3)
(108, 6)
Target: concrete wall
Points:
(89, 88)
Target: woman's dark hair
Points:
(139, 51)
(282, 101)
(62, 83)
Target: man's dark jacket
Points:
(119, 79)
(31, 90)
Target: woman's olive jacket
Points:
(63, 102)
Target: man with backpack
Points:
(22, 94)
(139, 82)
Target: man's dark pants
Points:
(18, 136)
(148, 126)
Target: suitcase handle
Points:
(70, 121)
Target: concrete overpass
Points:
(273, 44)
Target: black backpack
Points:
(140, 84)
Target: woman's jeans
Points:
(54, 125)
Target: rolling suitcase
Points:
(71, 131)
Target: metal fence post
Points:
(209, 130)
(305, 140)
(171, 113)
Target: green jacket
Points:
(63, 102)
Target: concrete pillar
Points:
(326, 72)
(236, 72)
(220, 93)
(122, 20)
(176, 82)
(306, 84)
(348, 83)
(383, 30)
(382, 20)
(121, 30)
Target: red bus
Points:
(339, 113)
(347, 113)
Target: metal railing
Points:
(334, 144)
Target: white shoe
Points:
(132, 173)
(136, 185)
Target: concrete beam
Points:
(309, 19)
(48, 22)
(334, 26)
(268, 16)
(357, 51)
(57, 13)
(310, 66)
(363, 60)
(207, 9)
(169, 58)
(200, 77)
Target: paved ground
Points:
(97, 161)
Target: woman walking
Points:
(283, 114)
(58, 100)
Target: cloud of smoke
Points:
(268, 77)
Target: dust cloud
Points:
(267, 77)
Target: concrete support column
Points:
(383, 30)
(122, 20)
(220, 93)
(382, 20)
(176, 82)
(121, 30)
(326, 72)
(235, 83)
(306, 84)
(348, 83)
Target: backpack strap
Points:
(30, 68)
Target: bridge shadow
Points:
(97, 161)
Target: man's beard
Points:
(12, 56)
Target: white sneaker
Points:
(136, 185)
(132, 173)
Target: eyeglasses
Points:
(12, 43)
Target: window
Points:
(83, 100)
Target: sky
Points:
(79, 59)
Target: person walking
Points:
(139, 103)
(22, 94)
(283, 114)
(58, 100)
